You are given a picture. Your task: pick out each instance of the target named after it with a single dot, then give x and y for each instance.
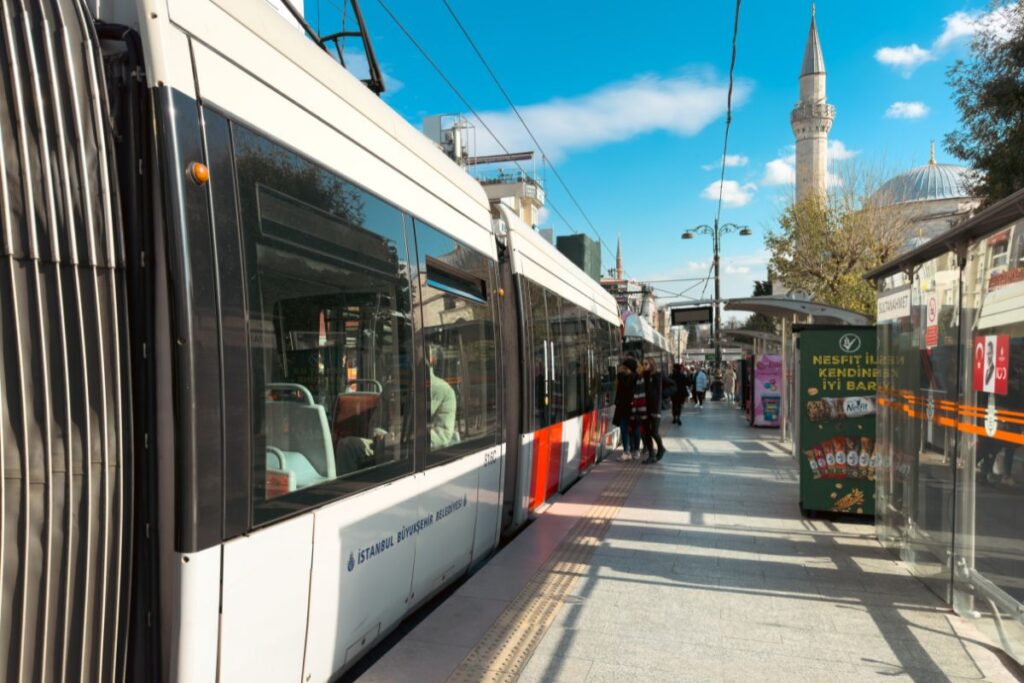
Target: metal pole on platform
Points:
(716, 231)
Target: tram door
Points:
(510, 330)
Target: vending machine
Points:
(766, 391)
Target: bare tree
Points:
(825, 245)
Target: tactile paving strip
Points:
(505, 648)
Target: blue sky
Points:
(631, 104)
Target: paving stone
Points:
(709, 573)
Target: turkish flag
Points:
(991, 363)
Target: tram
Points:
(641, 340)
(273, 373)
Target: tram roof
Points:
(537, 259)
(258, 68)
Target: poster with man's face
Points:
(991, 363)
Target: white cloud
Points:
(957, 27)
(779, 172)
(782, 171)
(698, 265)
(906, 110)
(837, 151)
(682, 105)
(736, 270)
(733, 194)
(731, 161)
(906, 58)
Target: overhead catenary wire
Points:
(728, 112)
(508, 98)
(465, 102)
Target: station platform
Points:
(698, 568)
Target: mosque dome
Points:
(927, 183)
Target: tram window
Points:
(572, 340)
(329, 329)
(595, 362)
(541, 354)
(459, 342)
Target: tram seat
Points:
(303, 436)
(353, 413)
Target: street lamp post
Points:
(716, 233)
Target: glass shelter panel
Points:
(989, 551)
(917, 436)
(930, 473)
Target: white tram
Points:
(272, 373)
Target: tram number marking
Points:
(490, 458)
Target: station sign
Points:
(690, 316)
(894, 305)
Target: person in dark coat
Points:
(636, 420)
(681, 380)
(654, 385)
(625, 383)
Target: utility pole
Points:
(716, 233)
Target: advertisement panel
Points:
(767, 391)
(836, 413)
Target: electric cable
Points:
(465, 102)
(728, 111)
(544, 156)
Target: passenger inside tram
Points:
(443, 404)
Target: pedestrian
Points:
(700, 387)
(625, 382)
(729, 383)
(638, 424)
(681, 380)
(654, 387)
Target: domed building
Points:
(935, 196)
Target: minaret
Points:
(618, 260)
(811, 120)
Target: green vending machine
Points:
(835, 404)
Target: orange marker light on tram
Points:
(199, 172)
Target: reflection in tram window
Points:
(458, 329)
(330, 331)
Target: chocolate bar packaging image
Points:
(826, 409)
(853, 458)
(843, 457)
(830, 458)
(839, 447)
(868, 447)
(812, 460)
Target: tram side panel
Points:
(567, 351)
(373, 417)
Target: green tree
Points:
(759, 322)
(824, 245)
(989, 92)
